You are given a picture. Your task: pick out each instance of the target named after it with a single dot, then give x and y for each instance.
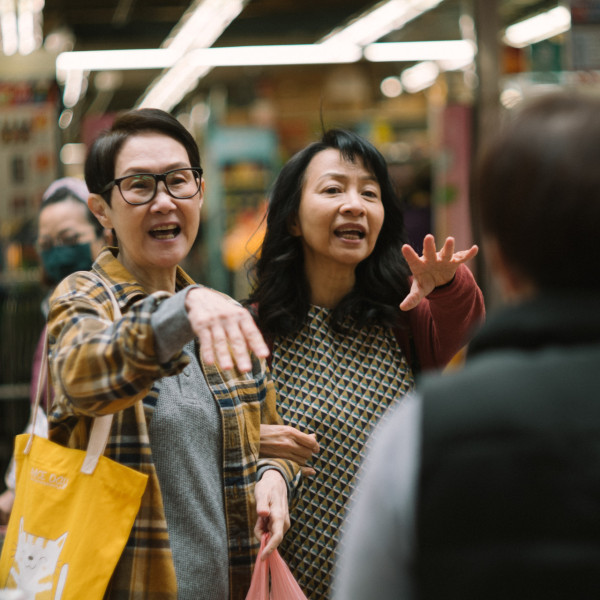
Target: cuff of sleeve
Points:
(171, 326)
(462, 274)
(445, 285)
(292, 486)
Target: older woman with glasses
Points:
(192, 426)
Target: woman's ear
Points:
(100, 210)
(201, 194)
(294, 226)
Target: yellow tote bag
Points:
(72, 516)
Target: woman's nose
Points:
(162, 201)
(353, 203)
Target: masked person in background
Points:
(69, 239)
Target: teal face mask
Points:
(61, 261)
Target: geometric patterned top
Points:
(337, 386)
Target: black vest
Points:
(509, 490)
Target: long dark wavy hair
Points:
(281, 296)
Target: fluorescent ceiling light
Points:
(299, 54)
(455, 64)
(188, 56)
(538, 28)
(200, 27)
(8, 27)
(203, 24)
(184, 76)
(173, 85)
(381, 20)
(419, 77)
(75, 85)
(115, 60)
(21, 25)
(418, 51)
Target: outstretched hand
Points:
(433, 269)
(226, 330)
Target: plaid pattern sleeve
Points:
(100, 366)
(288, 469)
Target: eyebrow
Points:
(338, 175)
(134, 170)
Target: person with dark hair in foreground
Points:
(486, 483)
(350, 312)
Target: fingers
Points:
(412, 258)
(416, 294)
(226, 331)
(465, 255)
(306, 440)
(429, 251)
(261, 528)
(409, 253)
(253, 336)
(446, 254)
(308, 472)
(215, 349)
(276, 527)
(410, 301)
(433, 269)
(284, 441)
(447, 249)
(274, 541)
(271, 509)
(205, 338)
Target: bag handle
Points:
(101, 425)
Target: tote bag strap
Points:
(101, 425)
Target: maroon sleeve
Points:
(443, 323)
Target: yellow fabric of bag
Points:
(67, 528)
(73, 512)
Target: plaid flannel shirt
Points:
(99, 366)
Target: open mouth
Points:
(165, 232)
(350, 234)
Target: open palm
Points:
(433, 268)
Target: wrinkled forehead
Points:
(333, 161)
(149, 151)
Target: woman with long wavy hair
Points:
(351, 313)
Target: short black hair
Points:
(537, 190)
(101, 158)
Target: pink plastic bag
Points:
(283, 584)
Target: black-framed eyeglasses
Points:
(140, 188)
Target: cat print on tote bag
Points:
(35, 565)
